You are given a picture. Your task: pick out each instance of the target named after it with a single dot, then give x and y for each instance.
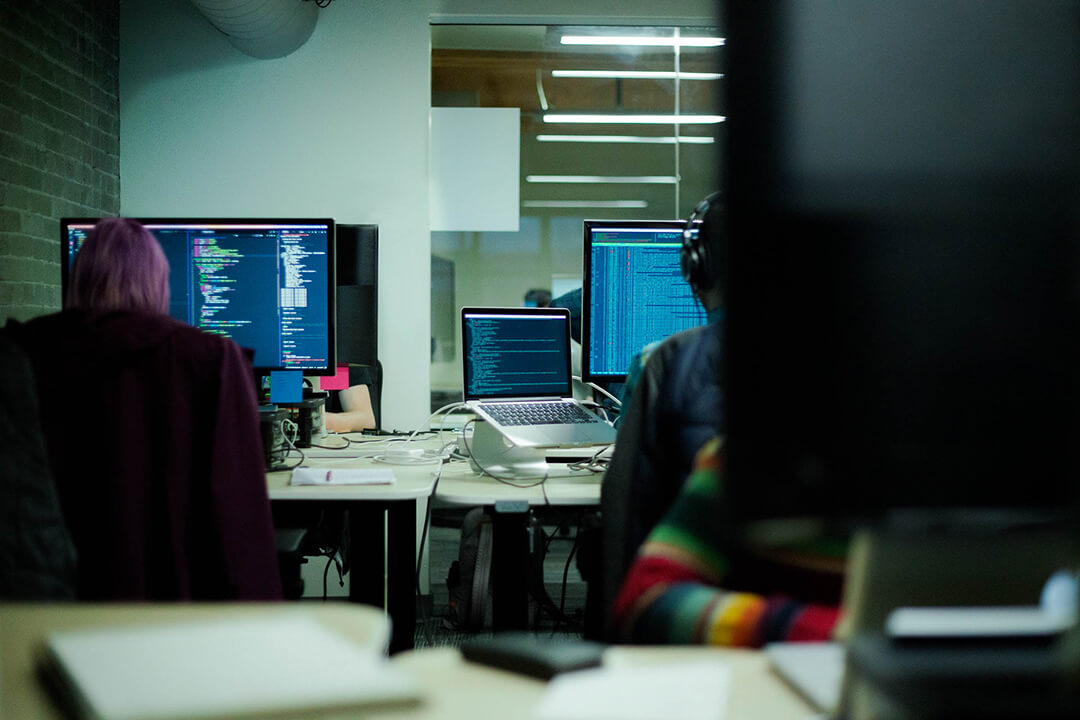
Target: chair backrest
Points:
(37, 557)
(152, 432)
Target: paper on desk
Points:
(343, 476)
(695, 690)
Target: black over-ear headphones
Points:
(694, 258)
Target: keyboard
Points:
(537, 413)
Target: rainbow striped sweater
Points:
(673, 593)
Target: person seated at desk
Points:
(152, 432)
(351, 410)
(688, 585)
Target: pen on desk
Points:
(327, 476)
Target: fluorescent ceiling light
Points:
(642, 40)
(637, 74)
(665, 140)
(640, 179)
(624, 119)
(637, 204)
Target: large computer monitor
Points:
(633, 293)
(266, 283)
(902, 294)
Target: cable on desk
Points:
(348, 442)
(445, 409)
(611, 397)
(595, 464)
(283, 426)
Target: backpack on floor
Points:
(469, 578)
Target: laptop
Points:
(516, 366)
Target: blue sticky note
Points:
(286, 386)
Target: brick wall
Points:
(59, 138)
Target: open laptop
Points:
(516, 365)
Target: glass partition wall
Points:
(616, 123)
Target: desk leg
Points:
(401, 573)
(510, 567)
(383, 565)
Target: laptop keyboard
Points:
(537, 413)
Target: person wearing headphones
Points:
(672, 577)
(700, 267)
(671, 408)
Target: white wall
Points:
(338, 128)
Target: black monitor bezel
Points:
(587, 373)
(331, 260)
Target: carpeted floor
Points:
(433, 627)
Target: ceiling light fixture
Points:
(642, 40)
(664, 140)
(636, 74)
(608, 204)
(601, 179)
(623, 119)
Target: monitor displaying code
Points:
(264, 283)
(633, 293)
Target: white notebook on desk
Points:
(221, 668)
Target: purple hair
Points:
(120, 266)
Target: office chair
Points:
(37, 557)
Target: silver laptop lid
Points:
(515, 353)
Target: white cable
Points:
(427, 423)
(594, 386)
(291, 441)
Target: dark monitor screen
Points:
(901, 312)
(633, 293)
(266, 283)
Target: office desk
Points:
(382, 532)
(509, 505)
(457, 690)
(24, 626)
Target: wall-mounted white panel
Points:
(475, 162)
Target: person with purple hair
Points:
(152, 431)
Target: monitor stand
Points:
(490, 452)
(955, 565)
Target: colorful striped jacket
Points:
(673, 591)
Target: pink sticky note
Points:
(339, 381)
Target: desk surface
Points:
(457, 690)
(452, 688)
(411, 482)
(461, 485)
(23, 628)
(458, 485)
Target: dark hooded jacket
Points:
(674, 411)
(152, 432)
